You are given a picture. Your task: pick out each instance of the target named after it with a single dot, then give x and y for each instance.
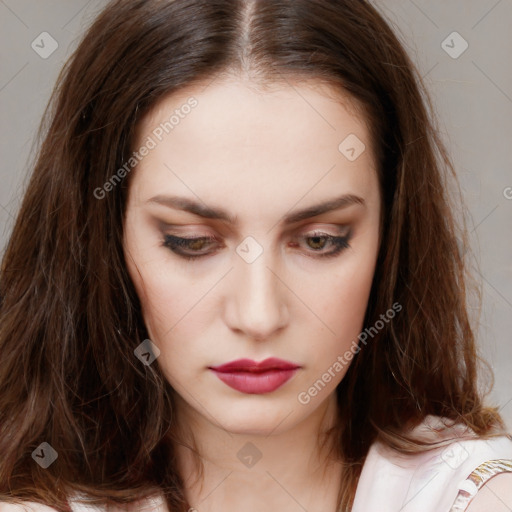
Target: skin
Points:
(214, 310)
(259, 155)
(495, 495)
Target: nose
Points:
(256, 302)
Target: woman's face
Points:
(275, 273)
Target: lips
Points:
(248, 365)
(248, 376)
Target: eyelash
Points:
(174, 243)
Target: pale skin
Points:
(260, 156)
(495, 495)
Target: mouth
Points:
(250, 377)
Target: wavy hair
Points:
(70, 318)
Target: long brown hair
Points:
(69, 315)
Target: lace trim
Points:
(475, 481)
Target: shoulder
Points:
(27, 506)
(81, 503)
(488, 487)
(31, 506)
(432, 479)
(495, 495)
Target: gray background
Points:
(472, 95)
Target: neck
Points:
(287, 467)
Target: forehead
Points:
(286, 135)
(228, 104)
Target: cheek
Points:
(165, 300)
(341, 302)
(155, 288)
(173, 312)
(172, 323)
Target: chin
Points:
(254, 419)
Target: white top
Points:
(441, 480)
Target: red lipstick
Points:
(248, 376)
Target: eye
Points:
(318, 241)
(176, 244)
(197, 247)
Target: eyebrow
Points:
(217, 213)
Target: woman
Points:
(242, 275)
